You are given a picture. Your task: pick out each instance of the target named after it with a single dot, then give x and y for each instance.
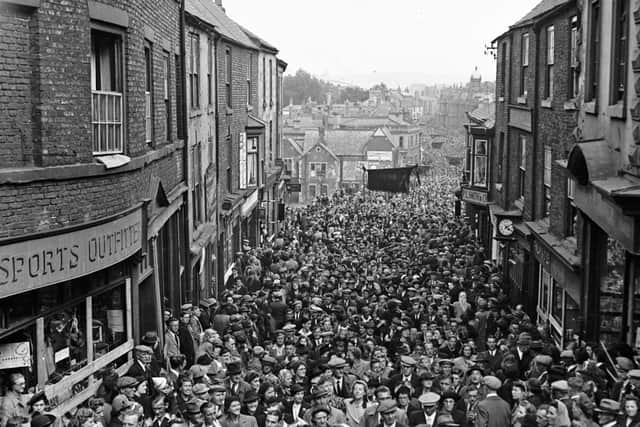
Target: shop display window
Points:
(65, 341)
(611, 292)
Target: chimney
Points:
(219, 4)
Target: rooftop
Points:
(209, 12)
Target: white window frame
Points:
(148, 93)
(313, 166)
(550, 60)
(252, 151)
(573, 54)
(522, 166)
(548, 160)
(107, 112)
(315, 193)
(475, 158)
(324, 189)
(525, 50)
(571, 193)
(287, 162)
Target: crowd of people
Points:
(367, 310)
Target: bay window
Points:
(479, 165)
(252, 161)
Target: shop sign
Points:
(294, 187)
(15, 355)
(25, 266)
(520, 119)
(474, 196)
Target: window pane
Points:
(65, 335)
(109, 321)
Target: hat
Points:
(407, 361)
(445, 362)
(159, 382)
(387, 406)
(429, 399)
(198, 371)
(43, 420)
(317, 409)
(250, 396)
(150, 338)
(475, 368)
(233, 369)
(634, 374)
(560, 385)
(567, 354)
(268, 360)
(200, 388)
(524, 338)
(143, 349)
(450, 395)
(336, 362)
(186, 307)
(575, 383)
(193, 407)
(126, 381)
(217, 387)
(37, 397)
(426, 376)
(296, 388)
(318, 394)
(120, 402)
(208, 302)
(257, 350)
(624, 363)
(609, 406)
(492, 382)
(543, 359)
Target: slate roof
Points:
(485, 114)
(541, 8)
(211, 13)
(259, 41)
(347, 142)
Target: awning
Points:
(591, 161)
(203, 237)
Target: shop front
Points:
(609, 204)
(66, 306)
(559, 287)
(249, 215)
(476, 208)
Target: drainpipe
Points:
(185, 136)
(219, 267)
(534, 121)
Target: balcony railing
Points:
(106, 121)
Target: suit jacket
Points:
(187, 345)
(493, 412)
(243, 421)
(523, 364)
(347, 385)
(243, 388)
(171, 345)
(419, 417)
(396, 381)
(288, 409)
(493, 362)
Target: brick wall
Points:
(52, 44)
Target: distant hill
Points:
(302, 86)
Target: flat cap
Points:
(120, 402)
(624, 363)
(269, 360)
(200, 388)
(575, 383)
(429, 399)
(407, 361)
(320, 408)
(492, 382)
(217, 388)
(567, 354)
(143, 349)
(337, 362)
(543, 359)
(185, 307)
(609, 406)
(560, 385)
(126, 381)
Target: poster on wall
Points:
(15, 355)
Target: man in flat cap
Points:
(407, 377)
(342, 382)
(492, 411)
(141, 367)
(428, 414)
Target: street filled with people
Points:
(367, 310)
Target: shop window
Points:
(611, 292)
(557, 303)
(479, 166)
(572, 317)
(544, 291)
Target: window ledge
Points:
(522, 100)
(570, 105)
(590, 107)
(616, 111)
(546, 103)
(229, 111)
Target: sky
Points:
(399, 42)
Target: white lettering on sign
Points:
(33, 264)
(474, 196)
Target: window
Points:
(324, 189)
(264, 81)
(573, 58)
(548, 158)
(523, 166)
(525, 63)
(230, 161)
(312, 191)
(210, 71)
(401, 142)
(479, 163)
(148, 85)
(179, 97)
(593, 52)
(106, 92)
(196, 189)
(318, 170)
(499, 157)
(619, 61)
(227, 76)
(546, 283)
(503, 69)
(166, 81)
(252, 161)
(271, 82)
(194, 64)
(550, 55)
(271, 140)
(249, 73)
(288, 165)
(572, 210)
